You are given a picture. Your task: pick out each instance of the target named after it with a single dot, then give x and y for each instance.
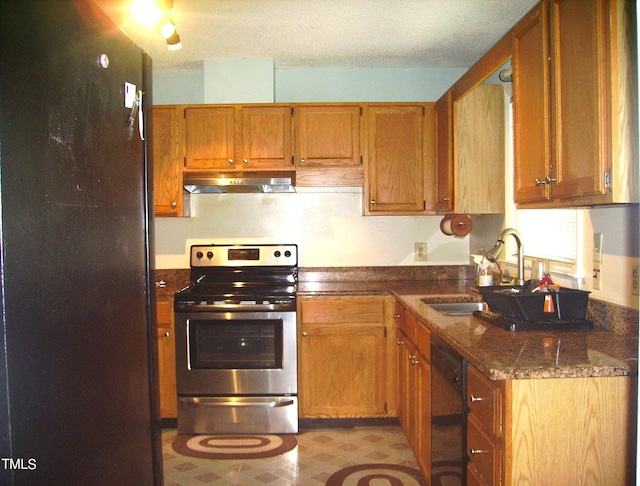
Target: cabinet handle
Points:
(414, 361)
(396, 316)
(304, 334)
(399, 342)
(161, 284)
(411, 357)
(174, 204)
(473, 451)
(167, 334)
(230, 161)
(446, 198)
(246, 161)
(547, 180)
(302, 161)
(373, 201)
(475, 399)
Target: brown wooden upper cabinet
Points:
(479, 151)
(328, 135)
(327, 148)
(575, 104)
(167, 155)
(444, 153)
(471, 121)
(238, 137)
(399, 161)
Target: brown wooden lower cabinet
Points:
(167, 360)
(554, 431)
(551, 431)
(346, 355)
(414, 385)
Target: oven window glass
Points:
(236, 344)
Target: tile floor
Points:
(319, 454)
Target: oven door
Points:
(236, 353)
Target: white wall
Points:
(334, 84)
(328, 227)
(178, 86)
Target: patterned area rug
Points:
(233, 446)
(369, 474)
(446, 473)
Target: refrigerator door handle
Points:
(141, 112)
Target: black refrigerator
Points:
(78, 402)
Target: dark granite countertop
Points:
(507, 355)
(497, 353)
(384, 287)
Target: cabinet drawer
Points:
(330, 311)
(163, 313)
(473, 476)
(399, 316)
(411, 324)
(423, 341)
(483, 400)
(483, 451)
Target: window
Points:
(551, 234)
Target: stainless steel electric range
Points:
(236, 362)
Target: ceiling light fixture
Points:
(148, 13)
(173, 42)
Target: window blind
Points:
(549, 234)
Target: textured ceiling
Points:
(328, 33)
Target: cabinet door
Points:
(531, 106)
(579, 97)
(167, 156)
(343, 369)
(394, 178)
(266, 141)
(342, 356)
(327, 135)
(423, 412)
(167, 360)
(402, 377)
(210, 137)
(444, 153)
(480, 150)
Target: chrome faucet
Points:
(493, 254)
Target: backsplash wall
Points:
(329, 228)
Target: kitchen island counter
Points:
(505, 355)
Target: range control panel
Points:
(243, 255)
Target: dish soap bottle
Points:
(484, 271)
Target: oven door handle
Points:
(235, 307)
(236, 402)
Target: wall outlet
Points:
(597, 276)
(635, 281)
(597, 247)
(420, 252)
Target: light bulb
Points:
(146, 12)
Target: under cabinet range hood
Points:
(239, 182)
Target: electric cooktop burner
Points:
(240, 275)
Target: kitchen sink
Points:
(456, 308)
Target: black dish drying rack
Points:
(515, 309)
